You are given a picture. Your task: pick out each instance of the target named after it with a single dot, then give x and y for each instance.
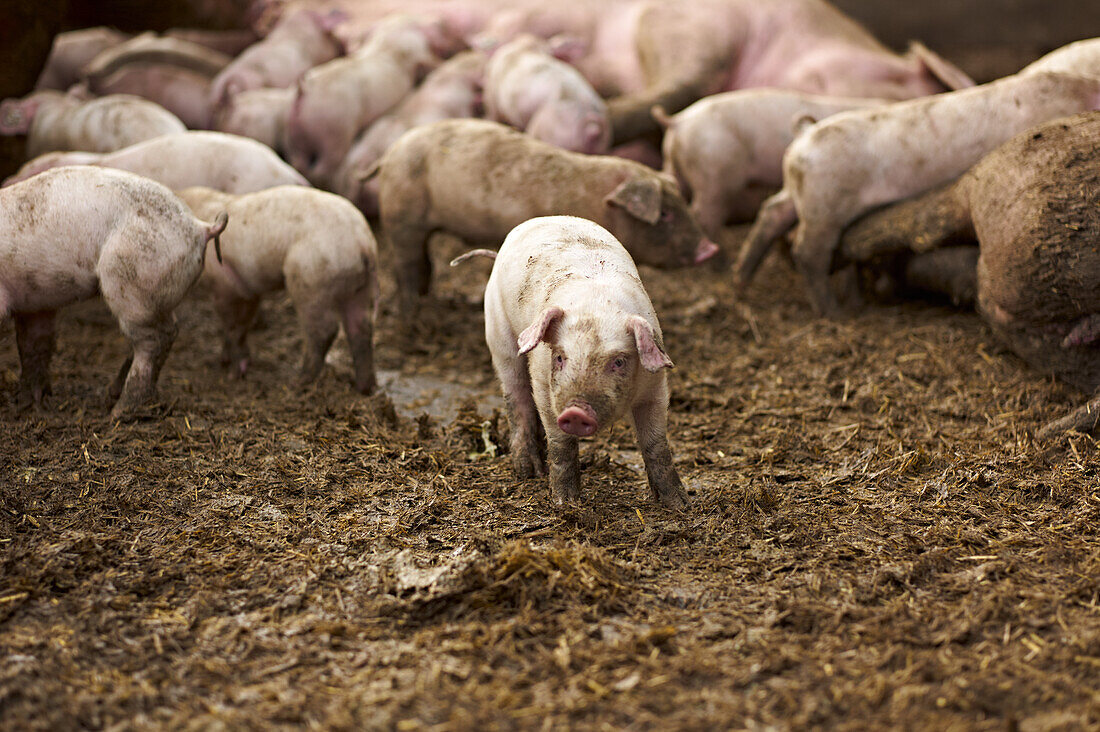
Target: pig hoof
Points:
(564, 496)
(528, 465)
(366, 387)
(674, 498)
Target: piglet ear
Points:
(652, 356)
(16, 116)
(945, 72)
(640, 197)
(536, 333)
(567, 48)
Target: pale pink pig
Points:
(226, 162)
(56, 121)
(72, 51)
(527, 87)
(299, 41)
(339, 99)
(314, 244)
(576, 344)
(260, 114)
(852, 162)
(72, 233)
(726, 150)
(452, 91)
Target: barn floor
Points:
(877, 541)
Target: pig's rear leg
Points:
(814, 246)
(34, 336)
(237, 315)
(776, 217)
(413, 267)
(358, 315)
(650, 426)
(319, 323)
(151, 343)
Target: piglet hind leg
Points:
(815, 243)
(34, 336)
(319, 326)
(650, 426)
(151, 342)
(358, 314)
(237, 315)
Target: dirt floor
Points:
(876, 541)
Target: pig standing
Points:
(315, 244)
(72, 51)
(56, 121)
(726, 150)
(452, 91)
(300, 40)
(533, 91)
(852, 162)
(260, 114)
(338, 99)
(479, 179)
(226, 162)
(71, 233)
(576, 345)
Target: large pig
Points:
(173, 73)
(72, 51)
(527, 87)
(1034, 207)
(339, 99)
(257, 113)
(452, 91)
(315, 244)
(1082, 57)
(226, 162)
(852, 162)
(726, 151)
(478, 180)
(56, 121)
(299, 41)
(576, 344)
(73, 233)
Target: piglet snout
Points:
(705, 251)
(579, 420)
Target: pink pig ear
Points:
(640, 197)
(536, 333)
(653, 357)
(567, 48)
(16, 116)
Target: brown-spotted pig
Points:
(1034, 207)
(479, 180)
(52, 120)
(300, 40)
(339, 99)
(726, 150)
(452, 91)
(260, 114)
(72, 51)
(527, 87)
(576, 344)
(71, 233)
(225, 162)
(854, 161)
(314, 244)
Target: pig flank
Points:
(479, 179)
(76, 231)
(576, 345)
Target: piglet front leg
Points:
(650, 420)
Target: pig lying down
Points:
(853, 162)
(55, 121)
(69, 234)
(530, 89)
(316, 245)
(576, 345)
(1034, 207)
(726, 150)
(478, 180)
(225, 162)
(72, 51)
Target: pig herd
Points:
(577, 137)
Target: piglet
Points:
(69, 234)
(260, 114)
(226, 162)
(72, 51)
(56, 121)
(576, 344)
(529, 88)
(315, 244)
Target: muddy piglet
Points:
(71, 233)
(576, 344)
(315, 244)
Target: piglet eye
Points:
(618, 363)
(559, 361)
(666, 215)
